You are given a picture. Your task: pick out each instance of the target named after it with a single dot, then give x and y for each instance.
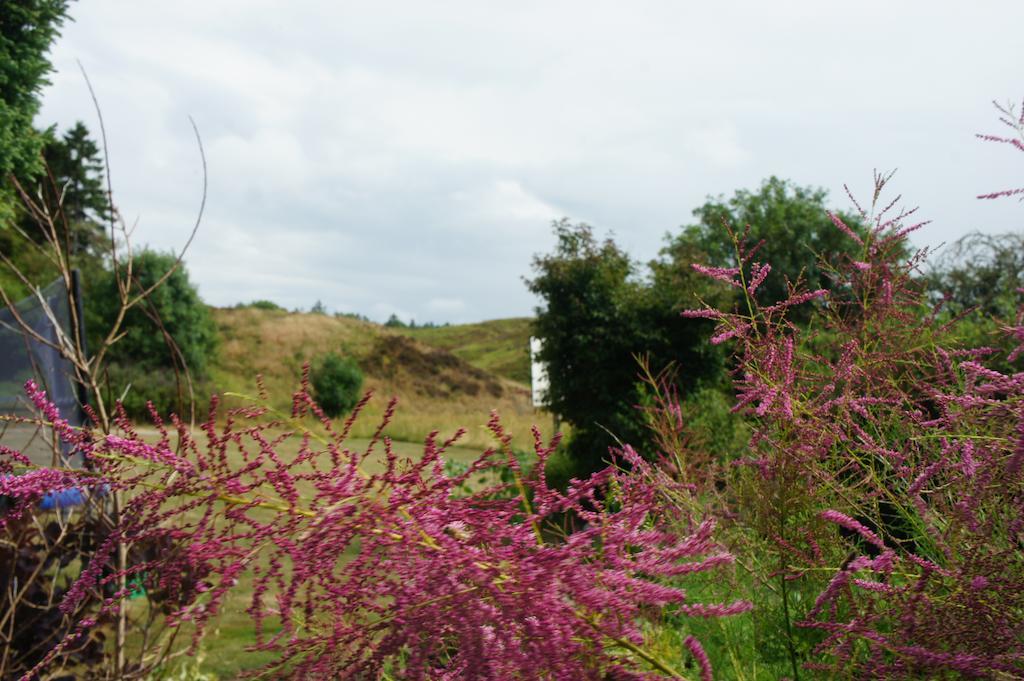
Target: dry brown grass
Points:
(436, 390)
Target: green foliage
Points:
(27, 28)
(71, 186)
(337, 382)
(561, 468)
(394, 322)
(46, 165)
(259, 305)
(31, 262)
(70, 189)
(599, 313)
(713, 425)
(170, 327)
(980, 272)
(979, 278)
(793, 223)
(597, 318)
(318, 308)
(503, 473)
(352, 315)
(175, 303)
(136, 384)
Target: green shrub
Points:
(175, 303)
(260, 305)
(560, 468)
(599, 314)
(337, 382)
(135, 385)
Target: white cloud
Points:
(504, 203)
(446, 306)
(718, 144)
(382, 311)
(383, 157)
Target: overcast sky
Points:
(409, 157)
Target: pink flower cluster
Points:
(398, 571)
(890, 457)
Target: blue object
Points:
(65, 498)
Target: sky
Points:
(408, 158)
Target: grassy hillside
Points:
(500, 346)
(437, 388)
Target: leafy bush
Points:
(260, 305)
(172, 327)
(166, 389)
(168, 340)
(596, 318)
(884, 475)
(337, 382)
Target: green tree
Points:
(981, 272)
(72, 186)
(791, 220)
(27, 29)
(70, 189)
(173, 308)
(980, 278)
(167, 332)
(337, 382)
(598, 316)
(394, 322)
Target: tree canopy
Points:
(601, 311)
(791, 220)
(73, 178)
(50, 168)
(27, 28)
(69, 189)
(980, 271)
(980, 280)
(597, 318)
(175, 303)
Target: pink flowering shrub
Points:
(877, 515)
(888, 470)
(1013, 120)
(361, 574)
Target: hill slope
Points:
(437, 388)
(500, 346)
